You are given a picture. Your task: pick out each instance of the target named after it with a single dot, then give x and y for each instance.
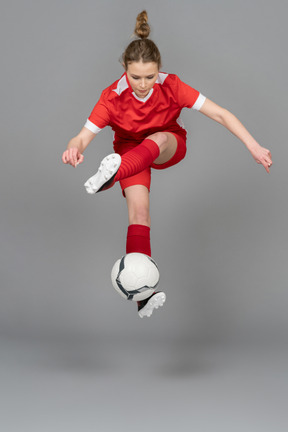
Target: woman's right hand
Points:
(72, 156)
(76, 146)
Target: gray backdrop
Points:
(219, 221)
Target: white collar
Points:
(143, 99)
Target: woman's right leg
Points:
(138, 235)
(138, 238)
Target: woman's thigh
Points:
(167, 144)
(178, 156)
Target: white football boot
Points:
(146, 307)
(104, 177)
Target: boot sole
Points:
(104, 177)
(154, 303)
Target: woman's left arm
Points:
(227, 119)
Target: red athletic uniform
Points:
(133, 119)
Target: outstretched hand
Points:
(262, 156)
(72, 156)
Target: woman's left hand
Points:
(262, 156)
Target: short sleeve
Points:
(99, 117)
(188, 97)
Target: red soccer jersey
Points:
(133, 118)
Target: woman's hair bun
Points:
(142, 28)
(141, 49)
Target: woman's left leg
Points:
(159, 147)
(167, 143)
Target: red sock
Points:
(136, 160)
(138, 239)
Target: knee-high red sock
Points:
(138, 239)
(136, 160)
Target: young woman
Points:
(143, 109)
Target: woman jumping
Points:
(143, 109)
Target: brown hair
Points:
(142, 49)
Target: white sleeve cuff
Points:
(92, 127)
(199, 102)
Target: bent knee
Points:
(160, 138)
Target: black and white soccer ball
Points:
(135, 276)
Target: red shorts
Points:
(144, 177)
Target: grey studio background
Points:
(75, 356)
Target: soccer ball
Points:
(135, 276)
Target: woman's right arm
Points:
(76, 146)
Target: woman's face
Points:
(142, 77)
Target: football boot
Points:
(104, 178)
(146, 307)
